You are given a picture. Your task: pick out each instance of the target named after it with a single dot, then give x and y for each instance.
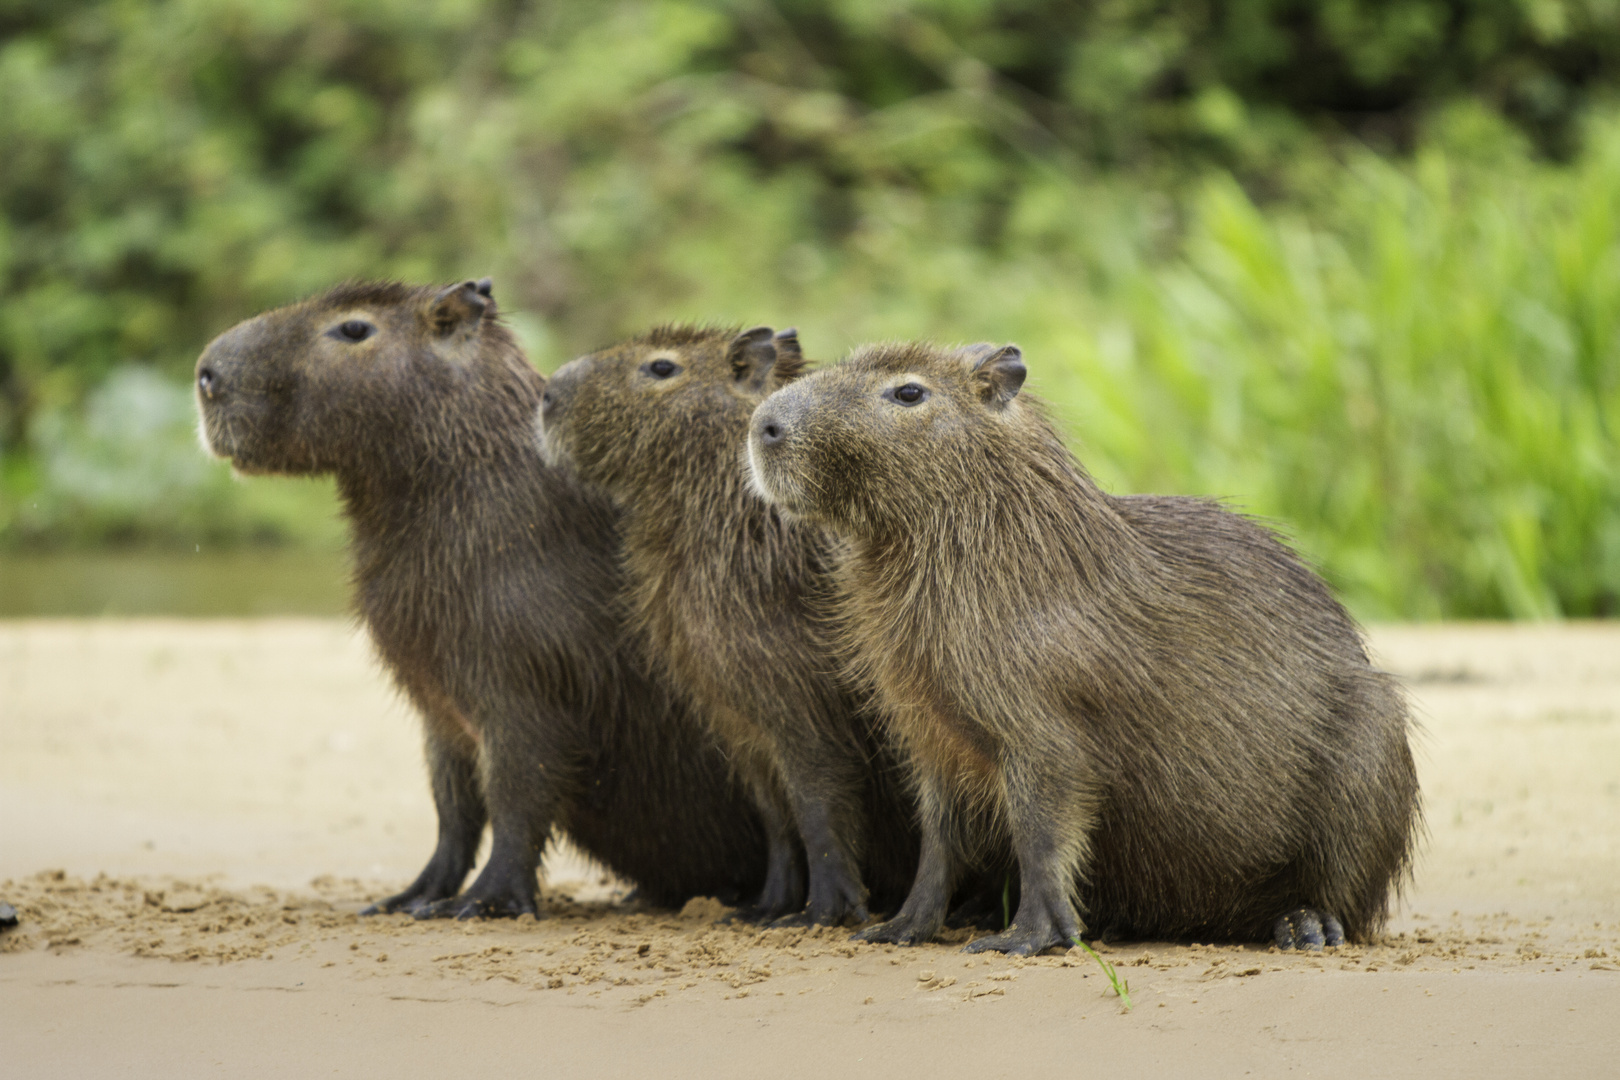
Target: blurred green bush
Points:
(1351, 264)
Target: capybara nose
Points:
(207, 382)
(771, 431)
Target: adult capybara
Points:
(1163, 709)
(489, 583)
(729, 598)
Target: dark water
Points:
(201, 584)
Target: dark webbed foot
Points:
(1037, 927)
(835, 898)
(1307, 929)
(903, 929)
(432, 885)
(499, 893)
(783, 893)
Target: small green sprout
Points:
(1122, 987)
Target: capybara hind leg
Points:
(1307, 929)
(460, 804)
(783, 891)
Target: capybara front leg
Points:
(835, 890)
(523, 784)
(460, 804)
(1050, 811)
(923, 913)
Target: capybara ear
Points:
(787, 344)
(752, 353)
(459, 307)
(999, 374)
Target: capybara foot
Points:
(411, 901)
(760, 912)
(835, 915)
(469, 906)
(1307, 929)
(499, 893)
(782, 895)
(834, 900)
(1036, 928)
(1016, 941)
(903, 929)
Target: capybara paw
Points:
(409, 903)
(825, 915)
(468, 906)
(1307, 929)
(1015, 941)
(756, 914)
(899, 930)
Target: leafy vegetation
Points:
(1350, 264)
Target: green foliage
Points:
(1122, 987)
(1409, 361)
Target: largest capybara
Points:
(730, 600)
(489, 584)
(1172, 721)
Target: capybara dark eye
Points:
(356, 330)
(662, 369)
(909, 394)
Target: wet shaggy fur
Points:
(488, 582)
(1152, 699)
(730, 599)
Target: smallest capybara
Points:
(1160, 708)
(729, 600)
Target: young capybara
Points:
(489, 583)
(729, 598)
(1169, 717)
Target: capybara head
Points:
(367, 375)
(890, 432)
(631, 416)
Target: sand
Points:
(194, 812)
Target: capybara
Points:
(730, 601)
(1162, 709)
(490, 585)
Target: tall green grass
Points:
(1412, 369)
(1410, 366)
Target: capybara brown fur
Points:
(729, 598)
(489, 583)
(1162, 710)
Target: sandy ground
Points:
(194, 811)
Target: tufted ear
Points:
(753, 353)
(998, 374)
(459, 308)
